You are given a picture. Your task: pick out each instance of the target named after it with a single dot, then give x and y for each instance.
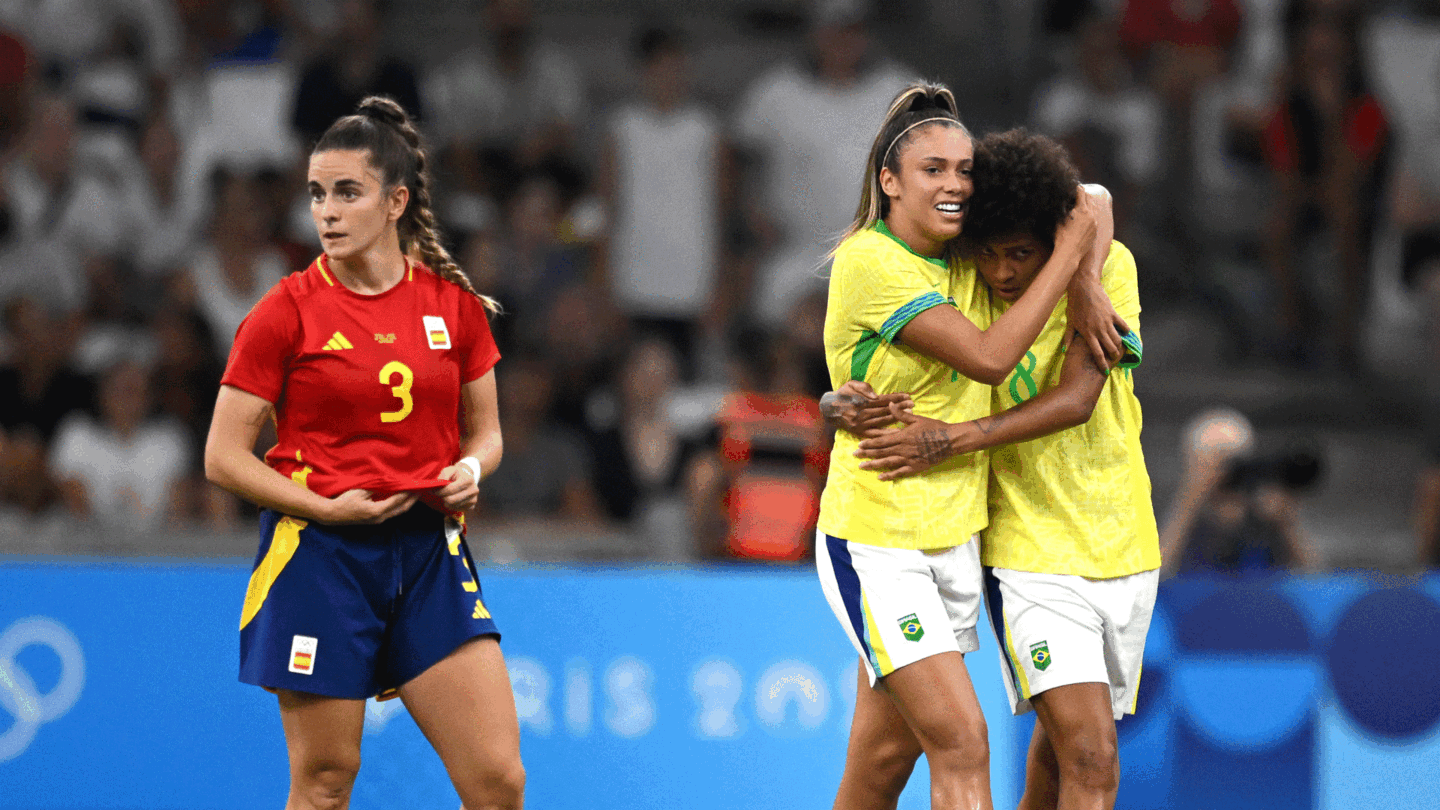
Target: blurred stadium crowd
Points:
(650, 192)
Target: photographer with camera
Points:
(1237, 512)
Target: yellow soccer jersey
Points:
(1077, 501)
(877, 285)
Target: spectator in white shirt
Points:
(1110, 125)
(240, 263)
(124, 468)
(661, 176)
(805, 127)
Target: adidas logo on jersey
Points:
(337, 342)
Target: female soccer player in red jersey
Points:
(377, 365)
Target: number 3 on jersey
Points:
(401, 391)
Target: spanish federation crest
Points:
(910, 626)
(1040, 655)
(436, 332)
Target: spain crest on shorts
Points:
(910, 626)
(1040, 655)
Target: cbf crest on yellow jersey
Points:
(877, 285)
(1078, 501)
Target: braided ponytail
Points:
(381, 126)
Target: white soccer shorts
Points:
(901, 605)
(1059, 629)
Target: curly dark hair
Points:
(1024, 184)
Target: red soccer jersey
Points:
(366, 388)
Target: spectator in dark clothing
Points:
(547, 466)
(334, 84)
(640, 454)
(16, 69)
(1179, 49)
(1327, 146)
(527, 262)
(37, 390)
(1231, 516)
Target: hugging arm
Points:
(987, 355)
(855, 408)
(924, 442)
(1088, 309)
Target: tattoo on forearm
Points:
(932, 446)
(989, 424)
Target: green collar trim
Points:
(885, 229)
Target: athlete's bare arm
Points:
(923, 442)
(988, 355)
(1088, 309)
(230, 463)
(480, 423)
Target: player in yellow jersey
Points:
(1071, 553)
(894, 557)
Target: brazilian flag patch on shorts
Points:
(910, 626)
(1040, 655)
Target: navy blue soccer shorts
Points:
(357, 611)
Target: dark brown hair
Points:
(381, 127)
(1024, 184)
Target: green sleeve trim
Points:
(864, 351)
(907, 313)
(1134, 350)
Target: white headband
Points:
(897, 138)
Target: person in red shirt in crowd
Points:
(15, 71)
(377, 365)
(773, 453)
(1179, 48)
(1327, 145)
(1179, 24)
(1180, 45)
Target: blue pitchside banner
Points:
(723, 687)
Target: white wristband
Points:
(473, 465)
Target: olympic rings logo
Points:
(18, 694)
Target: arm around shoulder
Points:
(988, 355)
